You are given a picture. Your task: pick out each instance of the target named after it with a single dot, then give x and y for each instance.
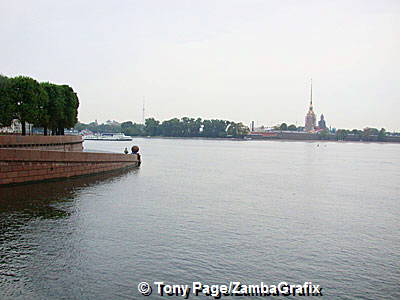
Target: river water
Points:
(212, 211)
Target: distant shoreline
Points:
(189, 138)
(259, 139)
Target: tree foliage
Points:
(44, 105)
(71, 104)
(283, 127)
(152, 127)
(54, 108)
(28, 99)
(381, 134)
(324, 134)
(341, 134)
(184, 127)
(368, 134)
(6, 104)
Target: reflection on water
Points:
(35, 200)
(22, 209)
(211, 211)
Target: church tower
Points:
(322, 123)
(311, 120)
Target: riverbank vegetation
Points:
(184, 127)
(367, 134)
(49, 106)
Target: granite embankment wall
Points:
(285, 135)
(288, 135)
(27, 164)
(20, 165)
(38, 142)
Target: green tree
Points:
(198, 125)
(324, 134)
(43, 114)
(243, 130)
(7, 108)
(190, 127)
(134, 130)
(126, 125)
(214, 128)
(172, 127)
(341, 134)
(292, 127)
(186, 126)
(71, 105)
(369, 133)
(54, 109)
(237, 129)
(81, 126)
(152, 127)
(283, 127)
(29, 100)
(382, 134)
(357, 133)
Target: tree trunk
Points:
(23, 127)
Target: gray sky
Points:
(240, 60)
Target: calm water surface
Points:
(210, 211)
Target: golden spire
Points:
(311, 105)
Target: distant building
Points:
(322, 123)
(311, 120)
(112, 123)
(16, 127)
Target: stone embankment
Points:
(301, 136)
(35, 158)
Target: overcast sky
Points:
(240, 60)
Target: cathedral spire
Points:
(311, 120)
(311, 105)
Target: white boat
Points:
(107, 137)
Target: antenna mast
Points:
(143, 119)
